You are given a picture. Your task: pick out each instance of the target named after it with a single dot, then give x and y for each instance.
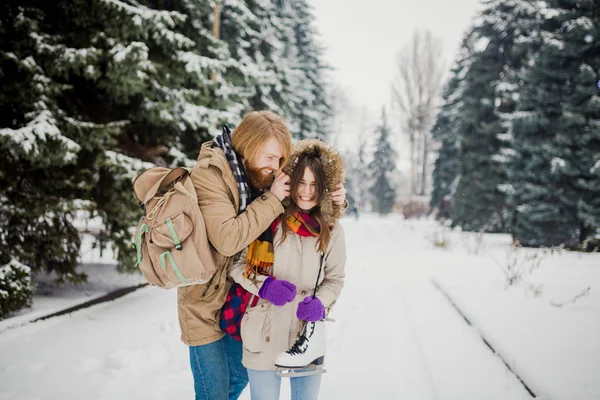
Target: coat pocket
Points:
(254, 329)
(174, 254)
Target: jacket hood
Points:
(333, 168)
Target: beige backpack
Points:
(170, 240)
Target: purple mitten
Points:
(310, 309)
(277, 292)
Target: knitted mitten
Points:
(277, 292)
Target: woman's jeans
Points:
(265, 385)
(218, 370)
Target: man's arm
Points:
(228, 232)
(236, 271)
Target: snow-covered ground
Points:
(51, 297)
(396, 335)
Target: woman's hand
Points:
(310, 309)
(277, 292)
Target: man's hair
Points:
(255, 129)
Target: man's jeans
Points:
(218, 370)
(265, 385)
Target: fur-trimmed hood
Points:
(333, 168)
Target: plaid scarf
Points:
(303, 224)
(223, 141)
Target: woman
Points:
(282, 269)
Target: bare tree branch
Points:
(415, 94)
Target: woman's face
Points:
(306, 196)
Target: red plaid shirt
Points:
(233, 310)
(236, 303)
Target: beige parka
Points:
(268, 330)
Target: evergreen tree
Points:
(290, 77)
(357, 179)
(95, 91)
(555, 133)
(311, 114)
(276, 57)
(479, 203)
(85, 103)
(245, 27)
(445, 132)
(382, 168)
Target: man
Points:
(239, 197)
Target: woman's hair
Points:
(316, 167)
(255, 129)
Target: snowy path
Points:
(396, 337)
(408, 342)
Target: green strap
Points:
(138, 242)
(173, 234)
(163, 263)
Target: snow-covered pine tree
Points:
(16, 287)
(555, 133)
(39, 177)
(290, 77)
(357, 181)
(95, 91)
(382, 167)
(90, 91)
(479, 204)
(211, 90)
(445, 132)
(244, 28)
(311, 115)
(274, 89)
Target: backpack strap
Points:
(174, 175)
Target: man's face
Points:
(261, 171)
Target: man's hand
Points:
(339, 196)
(281, 186)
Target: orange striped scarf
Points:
(260, 252)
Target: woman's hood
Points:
(333, 168)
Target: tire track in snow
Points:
(487, 343)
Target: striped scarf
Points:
(223, 141)
(303, 224)
(260, 253)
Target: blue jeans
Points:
(265, 385)
(218, 370)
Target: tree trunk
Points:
(216, 30)
(413, 163)
(424, 165)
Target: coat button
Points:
(268, 339)
(217, 286)
(263, 197)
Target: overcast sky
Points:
(362, 39)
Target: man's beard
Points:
(256, 178)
